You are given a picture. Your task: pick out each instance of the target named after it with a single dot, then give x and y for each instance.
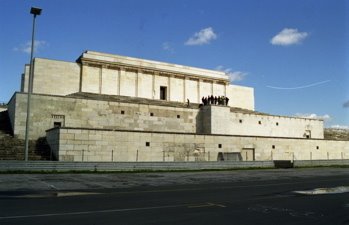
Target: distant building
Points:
(107, 107)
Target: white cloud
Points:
(233, 75)
(204, 36)
(299, 87)
(288, 36)
(167, 47)
(325, 117)
(340, 127)
(26, 48)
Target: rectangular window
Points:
(240, 121)
(57, 124)
(122, 112)
(259, 122)
(178, 116)
(163, 92)
(277, 123)
(151, 114)
(273, 146)
(219, 145)
(147, 143)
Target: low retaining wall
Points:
(100, 145)
(36, 166)
(314, 163)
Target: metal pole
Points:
(30, 89)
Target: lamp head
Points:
(35, 11)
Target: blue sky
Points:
(294, 53)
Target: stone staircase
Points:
(12, 148)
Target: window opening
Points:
(57, 124)
(163, 93)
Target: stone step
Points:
(12, 148)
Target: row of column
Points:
(122, 73)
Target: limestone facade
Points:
(107, 107)
(108, 74)
(94, 111)
(71, 144)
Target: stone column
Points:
(169, 88)
(101, 78)
(81, 77)
(122, 72)
(185, 89)
(199, 90)
(225, 89)
(153, 86)
(139, 73)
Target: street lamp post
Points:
(36, 12)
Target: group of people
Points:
(214, 100)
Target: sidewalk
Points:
(94, 181)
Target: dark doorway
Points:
(163, 93)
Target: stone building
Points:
(107, 107)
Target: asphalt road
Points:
(248, 200)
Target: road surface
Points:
(239, 197)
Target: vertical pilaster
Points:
(100, 88)
(169, 88)
(199, 90)
(153, 85)
(225, 89)
(122, 72)
(137, 83)
(81, 76)
(185, 89)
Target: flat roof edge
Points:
(152, 64)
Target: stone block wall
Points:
(78, 112)
(220, 120)
(107, 145)
(274, 126)
(241, 97)
(53, 77)
(49, 111)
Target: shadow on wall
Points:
(43, 149)
(203, 125)
(5, 124)
(229, 156)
